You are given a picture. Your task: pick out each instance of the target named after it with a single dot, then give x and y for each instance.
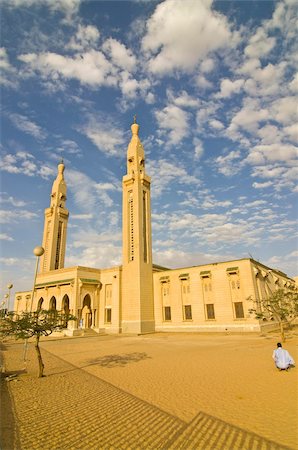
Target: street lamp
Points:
(9, 287)
(38, 252)
(6, 296)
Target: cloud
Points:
(5, 237)
(164, 172)
(183, 99)
(27, 126)
(26, 164)
(248, 118)
(119, 54)
(8, 72)
(68, 7)
(5, 198)
(199, 149)
(173, 121)
(285, 110)
(260, 44)
(263, 185)
(228, 87)
(85, 37)
(180, 34)
(90, 68)
(82, 216)
(271, 153)
(107, 138)
(227, 164)
(16, 216)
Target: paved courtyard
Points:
(158, 391)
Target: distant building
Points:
(138, 296)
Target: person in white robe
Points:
(282, 358)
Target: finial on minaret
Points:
(61, 167)
(135, 126)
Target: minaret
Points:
(55, 226)
(137, 284)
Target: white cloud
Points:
(266, 81)
(164, 172)
(26, 164)
(203, 83)
(24, 124)
(14, 216)
(285, 110)
(293, 85)
(5, 198)
(8, 72)
(5, 237)
(292, 132)
(271, 153)
(89, 68)
(82, 216)
(199, 149)
(259, 44)
(248, 117)
(68, 7)
(181, 33)
(207, 65)
(216, 124)
(120, 55)
(106, 137)
(173, 121)
(263, 185)
(228, 87)
(85, 38)
(183, 99)
(227, 164)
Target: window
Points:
(239, 312)
(187, 312)
(108, 315)
(210, 311)
(167, 313)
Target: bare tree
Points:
(33, 324)
(281, 306)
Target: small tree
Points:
(33, 324)
(281, 305)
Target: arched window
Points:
(65, 304)
(52, 304)
(39, 304)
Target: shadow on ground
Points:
(117, 360)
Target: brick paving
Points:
(71, 409)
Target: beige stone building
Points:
(138, 296)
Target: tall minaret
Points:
(55, 226)
(137, 314)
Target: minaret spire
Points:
(55, 225)
(137, 293)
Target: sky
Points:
(214, 88)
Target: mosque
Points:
(138, 296)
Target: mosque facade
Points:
(138, 296)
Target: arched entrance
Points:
(86, 312)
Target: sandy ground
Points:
(158, 391)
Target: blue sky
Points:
(213, 85)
